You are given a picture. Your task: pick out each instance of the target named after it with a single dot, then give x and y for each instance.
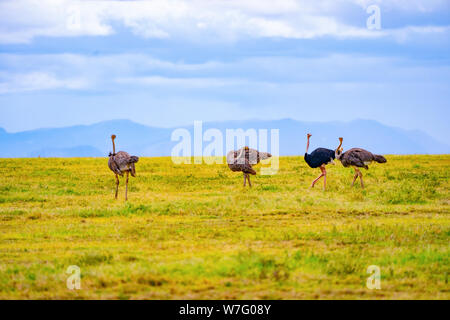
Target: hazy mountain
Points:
(81, 151)
(133, 137)
(94, 140)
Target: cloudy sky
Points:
(168, 63)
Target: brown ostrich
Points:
(244, 159)
(357, 158)
(120, 163)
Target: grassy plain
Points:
(193, 231)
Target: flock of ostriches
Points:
(244, 159)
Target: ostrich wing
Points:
(122, 162)
(240, 161)
(358, 157)
(244, 167)
(113, 165)
(253, 156)
(365, 155)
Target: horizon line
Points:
(209, 121)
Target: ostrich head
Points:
(339, 149)
(309, 135)
(264, 155)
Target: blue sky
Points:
(168, 63)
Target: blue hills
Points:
(94, 140)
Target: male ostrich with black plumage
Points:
(244, 159)
(319, 158)
(357, 158)
(120, 163)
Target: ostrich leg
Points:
(356, 176)
(361, 178)
(318, 178)
(324, 179)
(245, 179)
(249, 182)
(126, 188)
(117, 186)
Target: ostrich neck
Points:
(114, 147)
(307, 146)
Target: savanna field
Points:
(194, 232)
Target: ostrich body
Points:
(319, 158)
(244, 159)
(358, 158)
(122, 163)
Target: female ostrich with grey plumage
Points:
(120, 163)
(319, 158)
(244, 159)
(357, 158)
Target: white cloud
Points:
(137, 72)
(204, 82)
(421, 6)
(37, 81)
(22, 20)
(409, 32)
(218, 20)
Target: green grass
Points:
(193, 231)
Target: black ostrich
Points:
(319, 158)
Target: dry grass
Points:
(193, 232)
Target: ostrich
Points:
(319, 158)
(243, 159)
(120, 163)
(358, 158)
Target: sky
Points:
(168, 63)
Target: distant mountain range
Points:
(94, 140)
